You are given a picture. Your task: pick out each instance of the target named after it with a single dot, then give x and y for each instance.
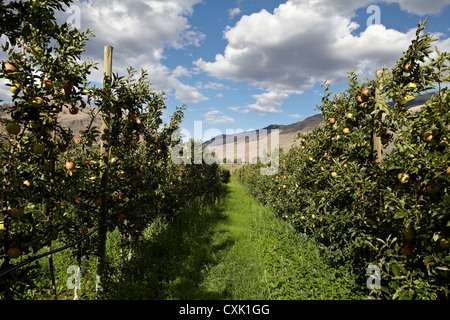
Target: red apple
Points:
(346, 130)
(122, 217)
(70, 165)
(47, 84)
(98, 202)
(121, 196)
(432, 189)
(428, 136)
(13, 253)
(332, 120)
(407, 251)
(334, 174)
(67, 88)
(9, 67)
(73, 110)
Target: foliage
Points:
(55, 185)
(393, 213)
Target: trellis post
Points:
(378, 118)
(104, 156)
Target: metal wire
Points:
(17, 266)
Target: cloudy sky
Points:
(246, 64)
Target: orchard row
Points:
(57, 186)
(392, 213)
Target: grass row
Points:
(229, 247)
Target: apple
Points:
(17, 212)
(444, 244)
(9, 67)
(37, 101)
(407, 251)
(346, 130)
(73, 110)
(411, 85)
(351, 116)
(121, 196)
(13, 253)
(334, 174)
(39, 148)
(432, 189)
(122, 217)
(28, 183)
(13, 128)
(84, 230)
(443, 142)
(428, 136)
(403, 177)
(79, 200)
(448, 172)
(98, 202)
(409, 234)
(54, 233)
(409, 97)
(2, 226)
(67, 88)
(70, 165)
(15, 88)
(48, 166)
(365, 92)
(47, 84)
(359, 99)
(159, 151)
(337, 137)
(332, 120)
(409, 67)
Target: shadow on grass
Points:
(173, 261)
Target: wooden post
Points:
(378, 119)
(104, 159)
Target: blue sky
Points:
(247, 64)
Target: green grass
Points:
(230, 247)
(233, 249)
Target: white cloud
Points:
(268, 102)
(233, 12)
(303, 42)
(181, 71)
(140, 31)
(239, 109)
(216, 117)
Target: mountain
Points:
(243, 146)
(76, 122)
(246, 144)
